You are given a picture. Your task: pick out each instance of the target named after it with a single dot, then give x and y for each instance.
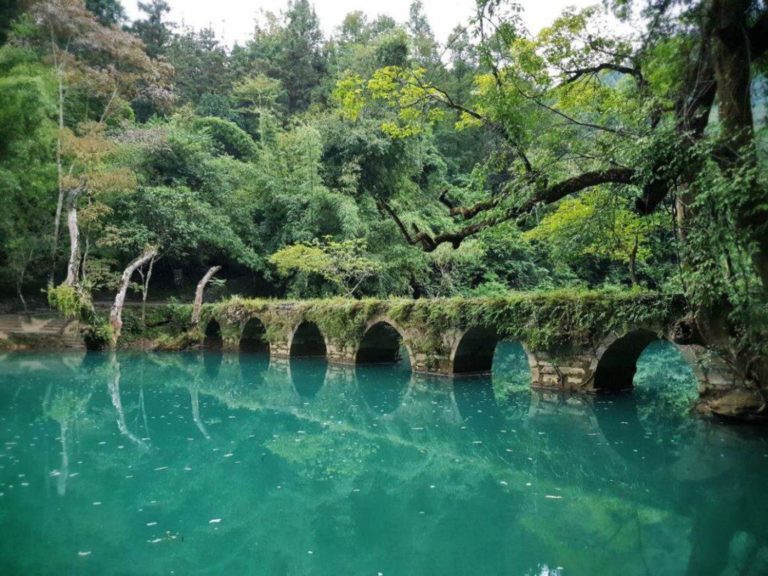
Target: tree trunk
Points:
(728, 35)
(59, 169)
(199, 293)
(20, 282)
(732, 62)
(116, 313)
(73, 268)
(633, 263)
(731, 59)
(20, 293)
(145, 290)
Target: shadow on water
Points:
(308, 375)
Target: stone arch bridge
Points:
(574, 342)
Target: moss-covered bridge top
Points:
(543, 321)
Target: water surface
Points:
(224, 464)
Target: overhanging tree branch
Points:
(548, 195)
(574, 75)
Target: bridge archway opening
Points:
(382, 344)
(643, 360)
(664, 388)
(213, 339)
(617, 364)
(308, 342)
(253, 340)
(475, 351)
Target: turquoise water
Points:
(206, 464)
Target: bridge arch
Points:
(307, 341)
(474, 351)
(381, 343)
(616, 359)
(253, 339)
(212, 339)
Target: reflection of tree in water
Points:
(511, 377)
(65, 406)
(414, 446)
(664, 383)
(113, 384)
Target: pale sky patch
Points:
(233, 20)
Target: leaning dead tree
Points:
(198, 306)
(116, 313)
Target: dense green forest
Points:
(379, 162)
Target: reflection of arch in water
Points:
(307, 341)
(253, 369)
(638, 439)
(487, 401)
(383, 387)
(382, 343)
(213, 339)
(308, 375)
(474, 352)
(212, 359)
(477, 403)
